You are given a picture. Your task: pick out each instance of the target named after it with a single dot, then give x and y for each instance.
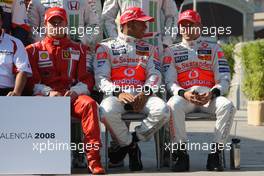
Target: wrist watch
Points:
(181, 92)
(215, 93)
(117, 92)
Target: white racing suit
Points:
(198, 65)
(83, 19)
(126, 61)
(152, 8)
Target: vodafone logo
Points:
(129, 72)
(193, 74)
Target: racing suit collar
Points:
(57, 41)
(191, 44)
(127, 38)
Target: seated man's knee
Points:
(108, 108)
(87, 101)
(226, 104)
(176, 103)
(161, 110)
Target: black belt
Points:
(5, 91)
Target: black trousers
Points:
(5, 91)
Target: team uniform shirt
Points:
(126, 61)
(12, 55)
(152, 8)
(198, 65)
(83, 19)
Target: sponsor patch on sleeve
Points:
(224, 69)
(165, 68)
(100, 63)
(157, 65)
(223, 63)
(167, 60)
(220, 54)
(101, 55)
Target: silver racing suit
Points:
(198, 65)
(129, 64)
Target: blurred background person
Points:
(162, 10)
(15, 21)
(14, 64)
(84, 20)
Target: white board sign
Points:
(34, 134)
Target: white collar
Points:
(127, 38)
(192, 43)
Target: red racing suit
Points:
(60, 65)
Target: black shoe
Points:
(134, 153)
(180, 161)
(166, 158)
(214, 162)
(115, 165)
(116, 156)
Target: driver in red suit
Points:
(59, 69)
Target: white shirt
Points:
(12, 53)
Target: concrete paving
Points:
(252, 151)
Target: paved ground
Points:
(252, 151)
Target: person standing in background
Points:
(156, 33)
(15, 21)
(14, 64)
(84, 20)
(179, 3)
